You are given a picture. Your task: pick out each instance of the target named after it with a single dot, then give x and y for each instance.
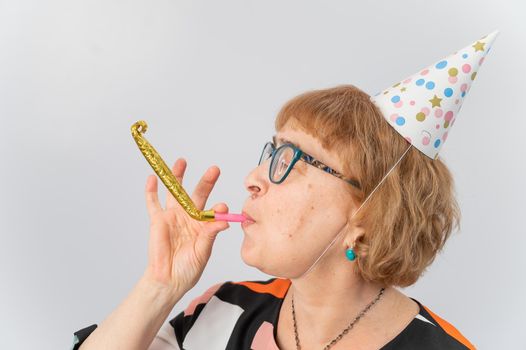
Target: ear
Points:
(354, 232)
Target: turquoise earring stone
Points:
(350, 254)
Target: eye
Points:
(284, 165)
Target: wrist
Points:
(163, 293)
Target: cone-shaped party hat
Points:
(423, 107)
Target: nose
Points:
(255, 181)
(254, 190)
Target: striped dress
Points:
(244, 315)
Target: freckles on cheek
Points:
(294, 218)
(297, 226)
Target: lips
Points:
(247, 216)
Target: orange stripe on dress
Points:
(277, 288)
(452, 331)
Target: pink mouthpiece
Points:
(229, 217)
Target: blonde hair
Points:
(412, 213)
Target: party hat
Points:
(424, 107)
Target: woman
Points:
(348, 299)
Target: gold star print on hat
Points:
(423, 107)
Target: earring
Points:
(351, 255)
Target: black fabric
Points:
(259, 307)
(81, 335)
(261, 302)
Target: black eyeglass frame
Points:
(307, 158)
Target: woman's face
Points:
(297, 219)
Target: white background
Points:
(209, 78)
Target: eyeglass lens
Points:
(281, 161)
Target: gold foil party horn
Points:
(171, 183)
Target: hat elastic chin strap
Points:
(369, 196)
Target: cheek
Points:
(295, 210)
(293, 219)
(294, 231)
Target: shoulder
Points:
(270, 289)
(246, 294)
(226, 308)
(430, 331)
(242, 293)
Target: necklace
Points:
(344, 331)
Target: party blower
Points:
(171, 183)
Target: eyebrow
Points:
(281, 140)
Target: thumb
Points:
(214, 227)
(206, 240)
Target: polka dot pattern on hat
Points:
(423, 107)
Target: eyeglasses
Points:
(284, 158)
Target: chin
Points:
(250, 254)
(250, 257)
(247, 251)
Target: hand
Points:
(179, 245)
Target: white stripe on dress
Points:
(213, 327)
(165, 339)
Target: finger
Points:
(216, 226)
(205, 186)
(152, 199)
(178, 171)
(213, 228)
(220, 208)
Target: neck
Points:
(330, 298)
